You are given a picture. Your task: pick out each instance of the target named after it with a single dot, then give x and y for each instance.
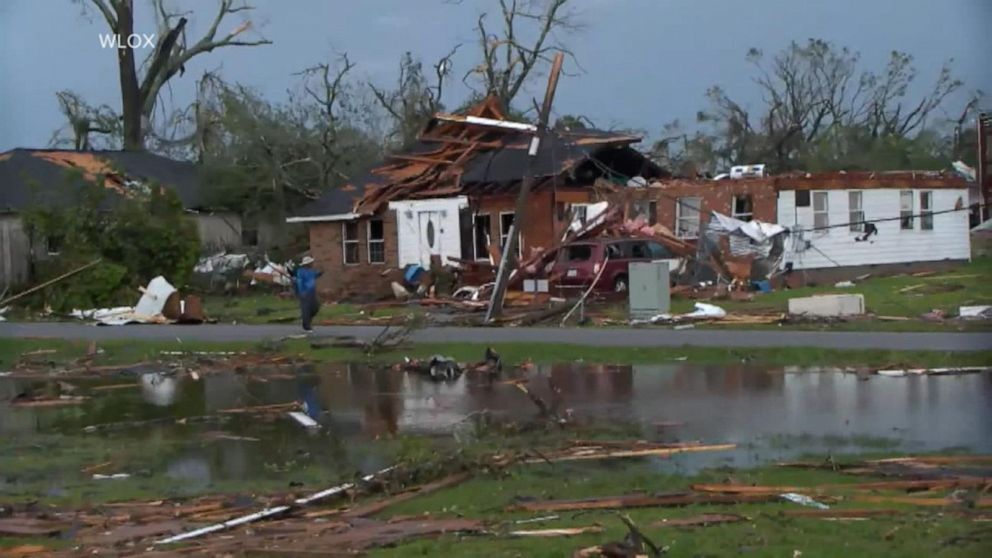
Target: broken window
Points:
(505, 223)
(53, 244)
(480, 233)
(821, 217)
(687, 217)
(906, 210)
(376, 242)
(856, 213)
(743, 208)
(349, 242)
(465, 233)
(926, 211)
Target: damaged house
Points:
(42, 177)
(835, 221)
(452, 197)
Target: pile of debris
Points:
(223, 272)
(160, 303)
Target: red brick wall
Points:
(541, 228)
(716, 196)
(341, 280)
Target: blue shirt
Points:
(305, 280)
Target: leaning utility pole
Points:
(512, 239)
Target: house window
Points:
(481, 225)
(906, 210)
(505, 223)
(743, 208)
(349, 242)
(376, 242)
(856, 212)
(821, 217)
(652, 213)
(802, 198)
(53, 244)
(926, 211)
(687, 217)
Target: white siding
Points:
(410, 243)
(835, 247)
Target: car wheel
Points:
(620, 284)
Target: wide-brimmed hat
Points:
(307, 260)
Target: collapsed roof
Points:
(31, 177)
(467, 155)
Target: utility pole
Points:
(512, 239)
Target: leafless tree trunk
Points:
(509, 58)
(171, 53)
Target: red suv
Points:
(579, 262)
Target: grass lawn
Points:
(127, 351)
(967, 285)
(269, 308)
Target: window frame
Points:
(503, 236)
(740, 216)
(475, 242)
(58, 241)
(680, 217)
(369, 241)
(856, 224)
(906, 220)
(345, 242)
(825, 212)
(926, 215)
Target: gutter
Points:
(321, 218)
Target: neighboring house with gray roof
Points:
(31, 178)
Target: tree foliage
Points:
(139, 237)
(815, 97)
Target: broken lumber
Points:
(563, 532)
(855, 513)
(273, 511)
(928, 502)
(641, 501)
(30, 527)
(373, 508)
(923, 484)
(50, 282)
(581, 454)
(702, 520)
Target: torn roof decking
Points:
(457, 157)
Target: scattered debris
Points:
(677, 499)
(563, 532)
(26, 527)
(702, 520)
(804, 500)
(304, 420)
(115, 476)
(828, 305)
(965, 312)
(895, 373)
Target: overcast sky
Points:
(645, 62)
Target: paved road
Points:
(645, 337)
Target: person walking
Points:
(305, 286)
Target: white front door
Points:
(430, 236)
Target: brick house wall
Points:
(341, 279)
(714, 196)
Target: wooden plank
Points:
(617, 454)
(642, 501)
(563, 532)
(373, 508)
(841, 514)
(702, 520)
(30, 527)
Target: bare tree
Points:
(326, 86)
(527, 37)
(809, 91)
(139, 95)
(415, 99)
